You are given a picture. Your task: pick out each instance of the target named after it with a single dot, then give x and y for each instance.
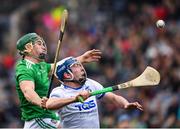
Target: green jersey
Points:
(38, 73)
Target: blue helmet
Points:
(63, 66)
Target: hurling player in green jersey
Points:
(32, 82)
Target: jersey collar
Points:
(29, 61)
(68, 87)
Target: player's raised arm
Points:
(89, 56)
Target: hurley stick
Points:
(63, 24)
(150, 77)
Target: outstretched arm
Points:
(121, 101)
(90, 56)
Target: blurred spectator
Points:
(124, 121)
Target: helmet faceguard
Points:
(64, 66)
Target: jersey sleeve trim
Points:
(26, 79)
(54, 96)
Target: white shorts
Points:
(42, 123)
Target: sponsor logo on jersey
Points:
(86, 105)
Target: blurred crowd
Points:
(126, 34)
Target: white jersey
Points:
(79, 115)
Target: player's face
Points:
(40, 49)
(78, 72)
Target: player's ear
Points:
(67, 76)
(28, 47)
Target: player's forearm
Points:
(57, 103)
(121, 101)
(28, 87)
(32, 97)
(80, 59)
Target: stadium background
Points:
(123, 30)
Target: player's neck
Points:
(72, 84)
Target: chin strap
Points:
(76, 81)
(80, 81)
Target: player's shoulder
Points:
(57, 89)
(20, 63)
(24, 64)
(43, 63)
(57, 92)
(93, 85)
(91, 81)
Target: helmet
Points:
(30, 37)
(64, 66)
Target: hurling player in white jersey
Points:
(64, 99)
